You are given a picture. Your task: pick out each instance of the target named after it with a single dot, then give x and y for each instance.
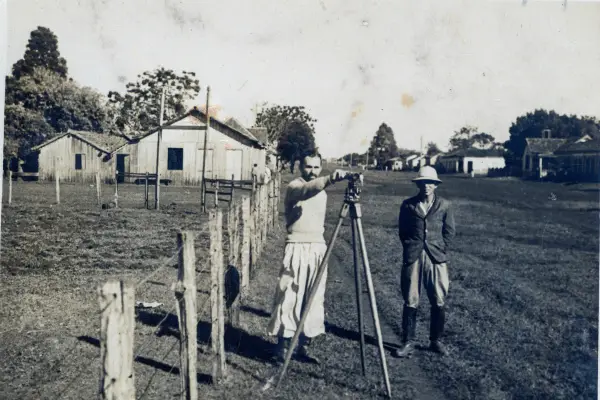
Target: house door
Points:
(234, 164)
(122, 166)
(470, 167)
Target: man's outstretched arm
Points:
(298, 191)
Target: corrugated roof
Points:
(235, 124)
(102, 141)
(544, 145)
(107, 142)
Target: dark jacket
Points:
(432, 232)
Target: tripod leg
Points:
(373, 306)
(358, 284)
(313, 291)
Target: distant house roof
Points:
(588, 146)
(544, 145)
(473, 152)
(104, 142)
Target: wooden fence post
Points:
(232, 189)
(265, 214)
(146, 191)
(217, 281)
(245, 248)
(232, 259)
(116, 341)
(57, 180)
(9, 187)
(185, 295)
(203, 196)
(217, 195)
(116, 189)
(253, 235)
(98, 189)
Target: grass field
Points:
(522, 308)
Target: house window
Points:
(175, 159)
(79, 161)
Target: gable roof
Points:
(544, 145)
(235, 124)
(214, 122)
(474, 152)
(588, 146)
(103, 142)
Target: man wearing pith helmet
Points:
(426, 228)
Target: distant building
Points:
(478, 161)
(580, 159)
(538, 154)
(394, 164)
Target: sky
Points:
(425, 68)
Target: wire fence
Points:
(231, 242)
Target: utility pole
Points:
(158, 139)
(205, 139)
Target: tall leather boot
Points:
(409, 328)
(436, 329)
(283, 346)
(304, 350)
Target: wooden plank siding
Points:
(60, 156)
(229, 152)
(143, 154)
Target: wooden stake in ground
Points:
(232, 259)
(98, 189)
(185, 294)
(158, 139)
(245, 249)
(216, 294)
(57, 181)
(217, 194)
(116, 341)
(9, 187)
(116, 189)
(146, 190)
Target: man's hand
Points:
(339, 175)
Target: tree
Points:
(432, 149)
(139, 108)
(276, 118)
(296, 141)
(383, 146)
(43, 103)
(468, 137)
(42, 51)
(533, 123)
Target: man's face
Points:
(427, 188)
(311, 168)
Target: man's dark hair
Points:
(311, 154)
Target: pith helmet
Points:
(427, 173)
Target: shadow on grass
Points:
(201, 378)
(237, 341)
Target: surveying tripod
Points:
(351, 206)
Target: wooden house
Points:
(472, 160)
(539, 153)
(230, 152)
(77, 156)
(579, 159)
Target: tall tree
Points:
(296, 140)
(275, 119)
(383, 146)
(44, 103)
(42, 51)
(533, 123)
(139, 108)
(432, 149)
